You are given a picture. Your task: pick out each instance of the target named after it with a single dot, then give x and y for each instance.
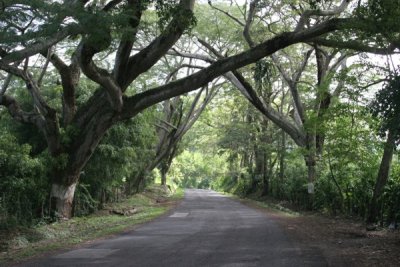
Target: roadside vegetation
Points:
(20, 243)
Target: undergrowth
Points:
(21, 243)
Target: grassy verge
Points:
(268, 204)
(26, 243)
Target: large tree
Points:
(77, 37)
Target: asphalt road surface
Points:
(206, 229)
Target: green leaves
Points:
(170, 9)
(386, 105)
(381, 18)
(23, 181)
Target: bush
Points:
(24, 184)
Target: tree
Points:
(386, 106)
(32, 31)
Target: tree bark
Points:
(62, 197)
(77, 154)
(265, 177)
(311, 162)
(381, 179)
(163, 176)
(282, 154)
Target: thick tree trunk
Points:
(79, 152)
(62, 197)
(381, 179)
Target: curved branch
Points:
(357, 46)
(41, 46)
(249, 21)
(276, 117)
(292, 83)
(46, 124)
(99, 75)
(139, 102)
(321, 13)
(147, 57)
(134, 9)
(18, 114)
(70, 76)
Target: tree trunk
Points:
(311, 162)
(381, 179)
(311, 173)
(163, 176)
(78, 153)
(265, 175)
(265, 185)
(282, 154)
(62, 197)
(259, 170)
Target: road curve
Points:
(206, 229)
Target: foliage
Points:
(193, 169)
(386, 106)
(122, 154)
(23, 183)
(382, 17)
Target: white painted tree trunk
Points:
(62, 197)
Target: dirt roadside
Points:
(343, 242)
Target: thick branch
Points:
(355, 45)
(134, 10)
(70, 76)
(40, 46)
(99, 75)
(143, 100)
(175, 52)
(18, 114)
(48, 122)
(148, 56)
(279, 119)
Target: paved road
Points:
(206, 229)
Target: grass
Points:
(30, 242)
(263, 203)
(272, 206)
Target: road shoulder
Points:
(342, 241)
